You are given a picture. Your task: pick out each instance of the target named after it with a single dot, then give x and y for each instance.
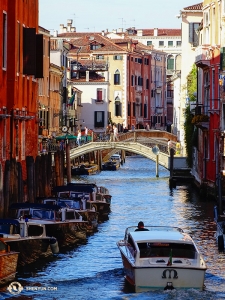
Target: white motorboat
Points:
(161, 258)
(220, 229)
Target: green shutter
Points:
(222, 58)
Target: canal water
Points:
(94, 270)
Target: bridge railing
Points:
(148, 138)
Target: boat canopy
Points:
(9, 222)
(34, 205)
(75, 188)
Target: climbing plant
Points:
(189, 128)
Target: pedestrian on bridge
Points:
(79, 138)
(115, 134)
(170, 145)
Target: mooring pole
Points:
(157, 166)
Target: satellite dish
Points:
(155, 150)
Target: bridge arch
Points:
(134, 147)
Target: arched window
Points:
(117, 106)
(117, 77)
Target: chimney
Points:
(103, 32)
(61, 28)
(155, 31)
(55, 33)
(73, 29)
(139, 32)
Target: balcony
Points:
(201, 121)
(202, 56)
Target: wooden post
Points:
(20, 183)
(68, 163)
(6, 188)
(38, 176)
(30, 178)
(1, 192)
(57, 168)
(157, 165)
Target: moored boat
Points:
(27, 238)
(161, 258)
(220, 229)
(65, 224)
(110, 166)
(78, 205)
(84, 170)
(8, 263)
(97, 198)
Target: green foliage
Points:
(190, 135)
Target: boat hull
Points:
(67, 233)
(162, 277)
(8, 266)
(30, 249)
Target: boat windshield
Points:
(180, 250)
(43, 214)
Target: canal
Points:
(94, 270)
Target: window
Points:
(99, 56)
(128, 109)
(99, 119)
(149, 43)
(145, 110)
(140, 81)
(170, 43)
(134, 109)
(95, 46)
(118, 108)
(4, 40)
(161, 43)
(117, 78)
(118, 57)
(178, 43)
(132, 80)
(100, 94)
(170, 63)
(18, 48)
(147, 84)
(193, 36)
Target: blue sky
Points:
(98, 15)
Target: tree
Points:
(189, 129)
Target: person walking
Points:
(115, 134)
(170, 145)
(78, 137)
(86, 134)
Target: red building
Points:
(21, 64)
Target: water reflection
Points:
(94, 270)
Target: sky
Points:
(98, 15)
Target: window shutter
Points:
(222, 58)
(29, 51)
(145, 110)
(128, 110)
(39, 56)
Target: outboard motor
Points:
(54, 245)
(215, 210)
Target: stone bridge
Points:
(140, 142)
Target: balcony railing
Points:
(202, 56)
